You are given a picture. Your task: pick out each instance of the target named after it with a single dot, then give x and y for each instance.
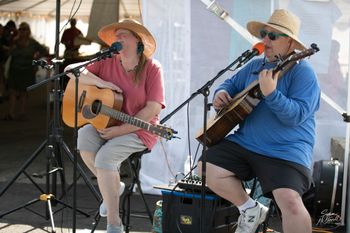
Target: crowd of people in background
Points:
(18, 49)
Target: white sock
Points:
(248, 204)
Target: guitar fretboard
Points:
(160, 131)
(125, 118)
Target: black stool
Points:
(134, 163)
(273, 208)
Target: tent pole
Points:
(346, 191)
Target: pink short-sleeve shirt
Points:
(149, 88)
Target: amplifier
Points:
(193, 184)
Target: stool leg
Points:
(126, 201)
(135, 167)
(96, 221)
(144, 199)
(127, 228)
(265, 224)
(134, 162)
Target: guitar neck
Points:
(123, 117)
(253, 88)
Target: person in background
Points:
(21, 71)
(68, 37)
(9, 34)
(7, 40)
(139, 78)
(275, 142)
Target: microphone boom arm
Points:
(74, 70)
(205, 88)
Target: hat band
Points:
(281, 26)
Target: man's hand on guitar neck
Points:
(221, 100)
(268, 81)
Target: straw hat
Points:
(107, 34)
(281, 20)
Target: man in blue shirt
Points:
(275, 141)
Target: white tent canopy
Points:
(41, 16)
(47, 8)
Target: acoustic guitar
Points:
(244, 102)
(101, 108)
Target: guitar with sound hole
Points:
(101, 108)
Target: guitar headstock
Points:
(166, 132)
(296, 56)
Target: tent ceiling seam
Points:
(34, 5)
(5, 2)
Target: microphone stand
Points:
(204, 90)
(76, 72)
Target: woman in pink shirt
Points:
(139, 78)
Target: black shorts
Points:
(272, 173)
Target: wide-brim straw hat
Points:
(283, 21)
(107, 34)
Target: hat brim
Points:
(254, 28)
(107, 35)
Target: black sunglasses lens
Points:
(263, 33)
(272, 36)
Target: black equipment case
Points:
(328, 179)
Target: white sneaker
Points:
(250, 219)
(103, 208)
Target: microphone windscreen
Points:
(117, 46)
(260, 47)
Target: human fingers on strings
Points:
(267, 82)
(221, 100)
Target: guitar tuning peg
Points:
(279, 58)
(315, 47)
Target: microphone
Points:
(257, 49)
(42, 63)
(115, 48)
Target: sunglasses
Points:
(271, 35)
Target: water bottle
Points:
(157, 218)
